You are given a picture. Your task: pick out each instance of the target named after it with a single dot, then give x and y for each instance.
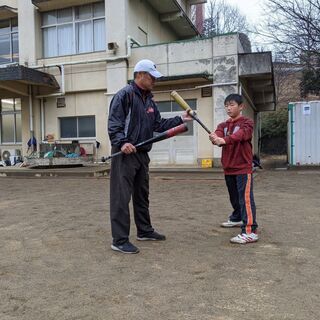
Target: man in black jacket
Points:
(133, 118)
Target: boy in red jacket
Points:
(234, 136)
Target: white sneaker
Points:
(231, 224)
(244, 238)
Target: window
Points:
(10, 120)
(9, 46)
(172, 106)
(78, 127)
(74, 30)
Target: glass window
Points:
(49, 18)
(68, 127)
(65, 15)
(84, 36)
(7, 105)
(65, 36)
(172, 106)
(14, 24)
(74, 30)
(5, 56)
(9, 43)
(15, 47)
(99, 35)
(78, 127)
(164, 106)
(4, 26)
(18, 128)
(83, 12)
(7, 126)
(10, 120)
(87, 127)
(98, 9)
(50, 42)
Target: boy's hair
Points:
(234, 97)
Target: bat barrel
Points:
(162, 136)
(184, 105)
(176, 96)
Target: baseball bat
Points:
(162, 136)
(184, 105)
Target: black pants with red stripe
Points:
(129, 178)
(240, 188)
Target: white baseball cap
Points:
(147, 66)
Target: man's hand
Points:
(186, 117)
(128, 148)
(216, 140)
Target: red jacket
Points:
(237, 152)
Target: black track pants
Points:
(129, 178)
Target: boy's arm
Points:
(243, 134)
(217, 136)
(220, 130)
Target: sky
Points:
(250, 8)
(253, 10)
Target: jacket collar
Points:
(139, 91)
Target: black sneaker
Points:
(154, 236)
(126, 247)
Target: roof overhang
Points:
(172, 13)
(256, 74)
(15, 81)
(184, 79)
(47, 5)
(180, 80)
(7, 12)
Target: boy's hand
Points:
(216, 140)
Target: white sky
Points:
(250, 8)
(253, 10)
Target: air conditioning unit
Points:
(10, 155)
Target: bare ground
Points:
(56, 262)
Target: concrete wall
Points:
(144, 24)
(9, 3)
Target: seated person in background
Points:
(83, 152)
(78, 149)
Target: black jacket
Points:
(134, 119)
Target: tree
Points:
(223, 18)
(293, 26)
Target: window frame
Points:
(13, 112)
(10, 33)
(77, 128)
(74, 22)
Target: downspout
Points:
(31, 114)
(42, 118)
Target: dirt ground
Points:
(56, 262)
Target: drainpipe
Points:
(31, 113)
(42, 118)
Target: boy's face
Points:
(233, 109)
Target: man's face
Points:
(145, 81)
(233, 109)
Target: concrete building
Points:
(62, 62)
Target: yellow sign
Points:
(206, 163)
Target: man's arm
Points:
(118, 117)
(162, 124)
